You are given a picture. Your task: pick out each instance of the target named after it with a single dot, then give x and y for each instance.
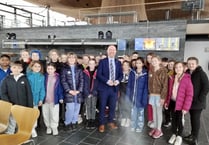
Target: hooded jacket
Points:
(137, 88)
(17, 92)
(184, 94)
(201, 88)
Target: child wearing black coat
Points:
(16, 89)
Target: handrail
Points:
(131, 5)
(110, 14)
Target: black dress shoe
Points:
(189, 138)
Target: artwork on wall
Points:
(158, 44)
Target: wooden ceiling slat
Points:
(153, 9)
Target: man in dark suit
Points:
(109, 75)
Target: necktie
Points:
(112, 76)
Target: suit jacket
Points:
(103, 74)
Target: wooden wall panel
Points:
(144, 12)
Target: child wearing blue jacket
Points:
(72, 82)
(54, 96)
(90, 93)
(137, 93)
(36, 80)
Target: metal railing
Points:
(131, 13)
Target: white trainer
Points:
(55, 131)
(80, 119)
(139, 130)
(172, 139)
(123, 122)
(178, 140)
(128, 122)
(34, 133)
(48, 130)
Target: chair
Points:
(5, 110)
(25, 118)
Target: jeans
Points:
(137, 118)
(71, 114)
(157, 111)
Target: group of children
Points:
(33, 82)
(159, 85)
(25, 83)
(174, 88)
(146, 84)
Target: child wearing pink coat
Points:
(179, 99)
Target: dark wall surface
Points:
(175, 28)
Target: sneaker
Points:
(80, 119)
(158, 133)
(48, 130)
(138, 130)
(55, 131)
(152, 132)
(167, 124)
(34, 133)
(123, 122)
(178, 140)
(128, 122)
(172, 139)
